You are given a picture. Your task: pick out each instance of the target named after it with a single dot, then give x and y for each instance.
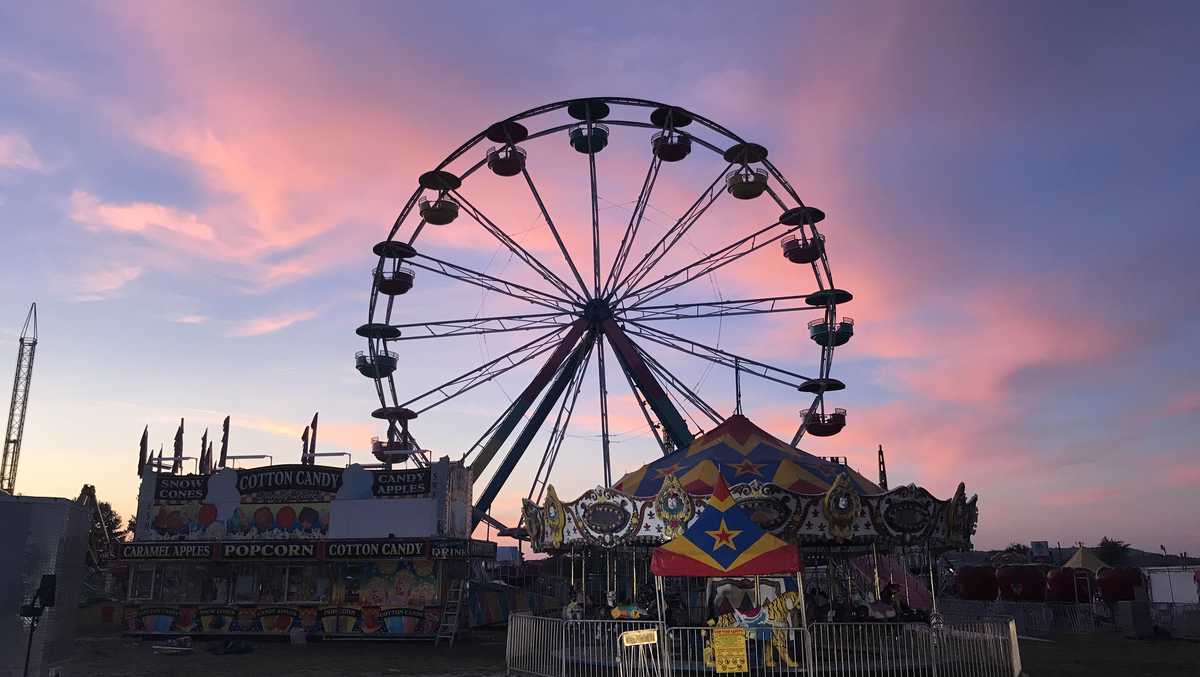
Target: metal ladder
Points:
(448, 627)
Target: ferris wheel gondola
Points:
(618, 315)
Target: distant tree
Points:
(130, 526)
(1018, 549)
(1113, 551)
(107, 522)
(1015, 553)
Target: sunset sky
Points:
(190, 192)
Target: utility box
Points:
(40, 536)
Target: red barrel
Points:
(1022, 582)
(976, 583)
(1118, 585)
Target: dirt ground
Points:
(482, 655)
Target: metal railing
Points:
(1035, 619)
(1178, 620)
(552, 647)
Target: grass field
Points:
(1109, 655)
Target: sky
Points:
(190, 192)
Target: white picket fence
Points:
(551, 647)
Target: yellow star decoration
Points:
(669, 470)
(748, 468)
(723, 537)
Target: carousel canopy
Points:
(724, 541)
(741, 452)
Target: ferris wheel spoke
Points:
(686, 311)
(679, 386)
(682, 391)
(515, 247)
(646, 413)
(718, 356)
(559, 432)
(556, 373)
(485, 372)
(553, 230)
(595, 227)
(677, 230)
(635, 222)
(490, 282)
(482, 325)
(636, 368)
(604, 441)
(707, 264)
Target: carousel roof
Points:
(741, 452)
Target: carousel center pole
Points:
(932, 587)
(875, 566)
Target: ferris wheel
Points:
(621, 296)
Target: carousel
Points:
(840, 521)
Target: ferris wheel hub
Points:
(597, 311)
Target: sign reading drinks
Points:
(187, 488)
(289, 477)
(166, 550)
(401, 482)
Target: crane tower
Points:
(27, 343)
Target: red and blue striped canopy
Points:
(740, 452)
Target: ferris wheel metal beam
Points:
(604, 440)
(729, 308)
(707, 264)
(655, 254)
(525, 400)
(553, 230)
(559, 432)
(491, 283)
(718, 356)
(485, 372)
(481, 325)
(635, 222)
(635, 367)
(655, 428)
(563, 373)
(677, 384)
(515, 247)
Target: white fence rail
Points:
(552, 648)
(1177, 620)
(1035, 619)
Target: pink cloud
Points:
(106, 281)
(137, 217)
(271, 323)
(17, 153)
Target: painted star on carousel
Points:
(669, 470)
(747, 467)
(723, 537)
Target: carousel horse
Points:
(771, 617)
(628, 612)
